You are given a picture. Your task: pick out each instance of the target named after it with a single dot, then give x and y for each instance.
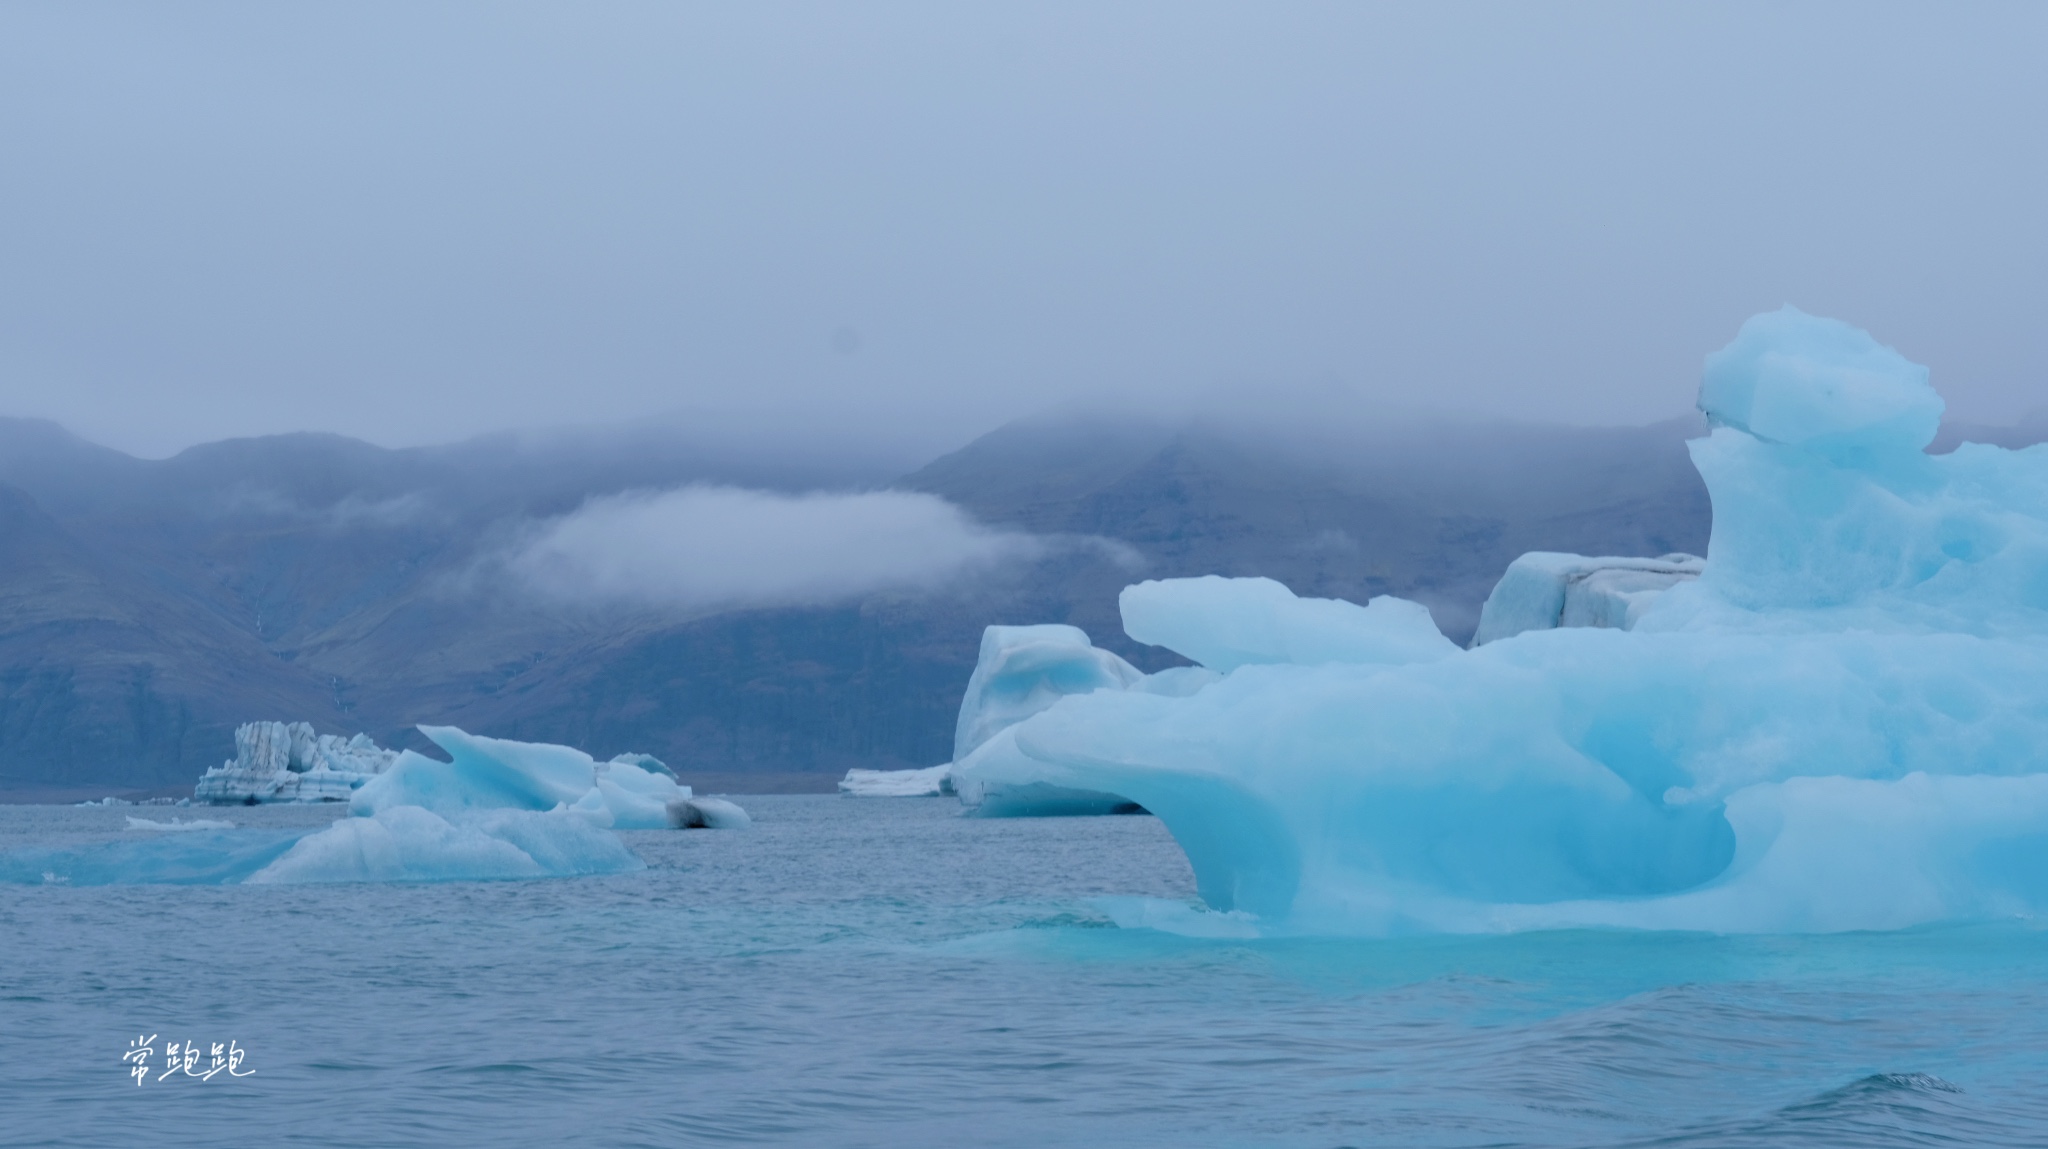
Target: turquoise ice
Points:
(1841, 724)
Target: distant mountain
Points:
(147, 607)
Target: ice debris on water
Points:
(179, 824)
(1837, 722)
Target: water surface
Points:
(886, 973)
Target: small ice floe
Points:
(929, 782)
(135, 823)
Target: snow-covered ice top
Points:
(1841, 723)
(1225, 623)
(500, 774)
(1821, 384)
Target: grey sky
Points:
(414, 222)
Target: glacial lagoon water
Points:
(887, 973)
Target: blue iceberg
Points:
(412, 844)
(631, 792)
(1838, 722)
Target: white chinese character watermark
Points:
(184, 1057)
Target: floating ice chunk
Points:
(179, 824)
(495, 773)
(410, 844)
(1802, 381)
(1544, 590)
(1024, 669)
(1021, 671)
(929, 782)
(1839, 724)
(280, 762)
(1225, 623)
(707, 814)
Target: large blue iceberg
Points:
(1840, 723)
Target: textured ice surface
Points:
(288, 762)
(1222, 623)
(1543, 590)
(1225, 623)
(411, 844)
(1840, 724)
(929, 782)
(1021, 671)
(1821, 384)
(495, 773)
(1024, 669)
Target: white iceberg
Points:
(1840, 723)
(288, 762)
(929, 782)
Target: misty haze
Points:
(1123, 574)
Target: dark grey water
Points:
(886, 973)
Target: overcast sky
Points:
(413, 222)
